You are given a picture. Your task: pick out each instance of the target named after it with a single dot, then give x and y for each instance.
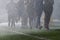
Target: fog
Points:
(3, 12)
(4, 15)
(56, 12)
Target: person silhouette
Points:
(48, 9)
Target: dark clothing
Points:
(38, 6)
(30, 10)
(48, 13)
(20, 6)
(39, 9)
(22, 12)
(48, 9)
(12, 13)
(12, 10)
(34, 10)
(49, 2)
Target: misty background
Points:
(4, 29)
(4, 14)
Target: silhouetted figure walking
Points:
(48, 9)
(22, 12)
(30, 9)
(39, 9)
(12, 13)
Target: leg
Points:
(48, 14)
(30, 22)
(13, 23)
(34, 22)
(24, 21)
(38, 20)
(9, 20)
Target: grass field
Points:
(18, 33)
(51, 35)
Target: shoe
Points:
(40, 27)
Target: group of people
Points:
(12, 13)
(30, 9)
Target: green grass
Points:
(18, 37)
(53, 35)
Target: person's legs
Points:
(24, 21)
(48, 13)
(13, 22)
(9, 21)
(38, 20)
(30, 22)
